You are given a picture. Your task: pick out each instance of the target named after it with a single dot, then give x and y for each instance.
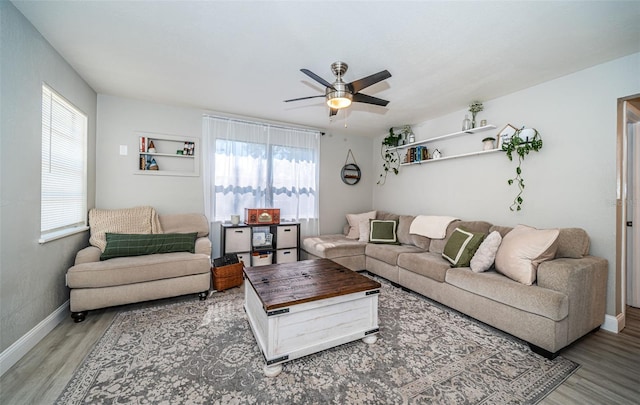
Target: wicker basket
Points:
(225, 277)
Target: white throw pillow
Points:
(486, 254)
(365, 228)
(354, 223)
(523, 249)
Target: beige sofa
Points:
(566, 302)
(123, 280)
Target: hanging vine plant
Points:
(521, 147)
(390, 156)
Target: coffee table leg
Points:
(371, 339)
(272, 371)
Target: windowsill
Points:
(61, 234)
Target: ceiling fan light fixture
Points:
(339, 102)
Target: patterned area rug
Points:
(203, 352)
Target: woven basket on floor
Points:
(229, 276)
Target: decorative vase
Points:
(488, 144)
(473, 120)
(466, 123)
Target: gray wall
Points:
(571, 182)
(31, 275)
(118, 186)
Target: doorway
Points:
(628, 207)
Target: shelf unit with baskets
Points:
(168, 155)
(262, 244)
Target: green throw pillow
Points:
(123, 245)
(461, 247)
(383, 231)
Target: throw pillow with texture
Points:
(124, 245)
(354, 223)
(365, 228)
(383, 231)
(485, 256)
(461, 247)
(523, 249)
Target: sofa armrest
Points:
(203, 245)
(89, 254)
(584, 281)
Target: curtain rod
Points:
(280, 126)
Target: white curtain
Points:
(257, 165)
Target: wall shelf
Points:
(445, 137)
(166, 156)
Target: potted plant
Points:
(390, 157)
(531, 142)
(474, 108)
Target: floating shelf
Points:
(480, 152)
(441, 137)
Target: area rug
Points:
(203, 352)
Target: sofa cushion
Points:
(183, 223)
(383, 231)
(485, 256)
(354, 223)
(404, 222)
(124, 245)
(537, 300)
(332, 246)
(388, 253)
(426, 264)
(421, 241)
(573, 243)
(138, 269)
(461, 247)
(523, 249)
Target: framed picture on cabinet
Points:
(505, 134)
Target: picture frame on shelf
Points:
(505, 134)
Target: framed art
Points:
(505, 134)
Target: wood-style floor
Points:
(609, 372)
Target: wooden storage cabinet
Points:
(246, 241)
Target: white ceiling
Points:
(243, 58)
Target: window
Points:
(255, 165)
(63, 176)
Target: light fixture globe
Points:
(338, 97)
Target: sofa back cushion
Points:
(138, 220)
(404, 222)
(437, 245)
(182, 223)
(573, 243)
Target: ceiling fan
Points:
(340, 94)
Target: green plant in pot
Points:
(531, 142)
(390, 157)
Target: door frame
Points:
(621, 209)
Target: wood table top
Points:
(286, 284)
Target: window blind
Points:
(63, 175)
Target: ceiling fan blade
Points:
(303, 98)
(365, 82)
(332, 112)
(317, 78)
(363, 98)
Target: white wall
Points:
(336, 197)
(32, 276)
(571, 182)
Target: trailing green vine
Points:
(521, 147)
(390, 156)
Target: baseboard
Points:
(20, 347)
(613, 323)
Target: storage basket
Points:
(229, 276)
(261, 259)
